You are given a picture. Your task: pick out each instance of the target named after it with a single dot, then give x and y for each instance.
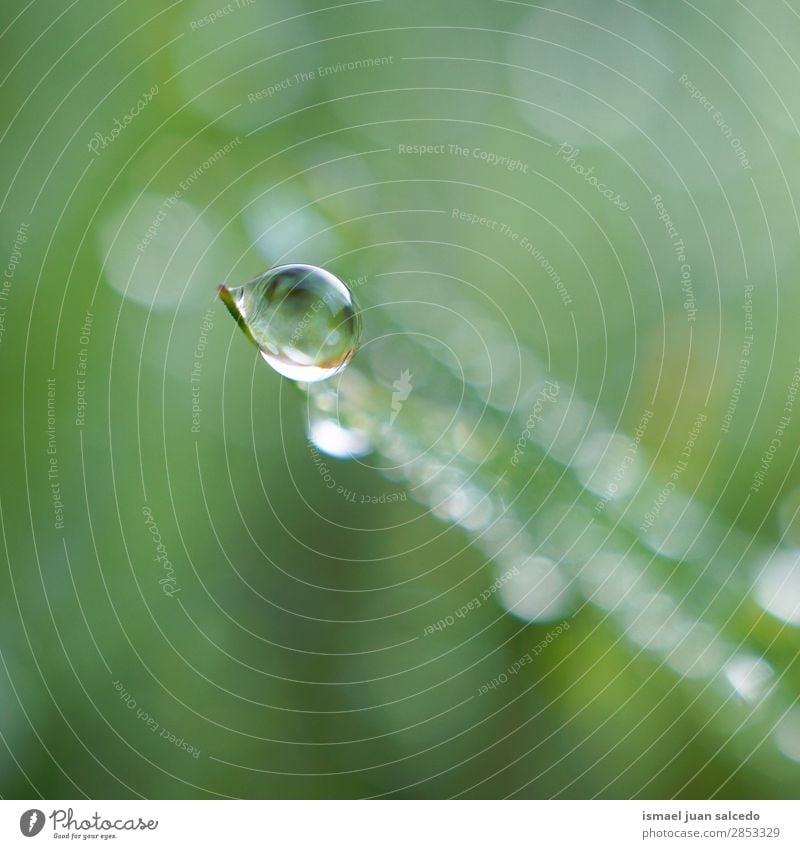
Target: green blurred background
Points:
(627, 171)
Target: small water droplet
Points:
(302, 318)
(337, 422)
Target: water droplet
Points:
(787, 734)
(537, 592)
(750, 676)
(302, 318)
(700, 653)
(337, 421)
(777, 587)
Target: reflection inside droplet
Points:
(302, 318)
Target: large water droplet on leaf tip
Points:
(302, 318)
